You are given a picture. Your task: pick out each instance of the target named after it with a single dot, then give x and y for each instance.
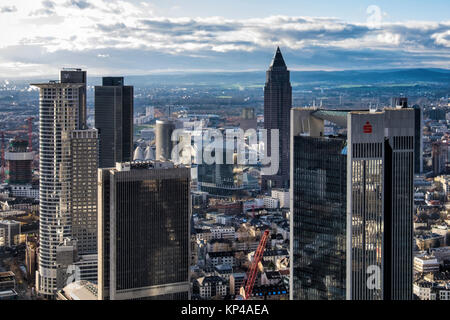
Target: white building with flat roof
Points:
(426, 264)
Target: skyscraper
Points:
(61, 109)
(84, 154)
(319, 214)
(439, 155)
(380, 191)
(318, 207)
(144, 231)
(379, 156)
(418, 131)
(277, 106)
(114, 121)
(77, 76)
(418, 139)
(19, 161)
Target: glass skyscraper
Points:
(114, 121)
(418, 139)
(144, 231)
(379, 156)
(319, 218)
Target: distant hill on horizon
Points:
(257, 78)
(246, 78)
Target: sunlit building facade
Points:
(61, 110)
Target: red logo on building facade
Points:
(367, 127)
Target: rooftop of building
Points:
(239, 275)
(8, 293)
(429, 236)
(273, 275)
(224, 268)
(145, 165)
(57, 83)
(209, 280)
(339, 116)
(80, 290)
(438, 276)
(7, 276)
(427, 259)
(440, 249)
(221, 240)
(221, 254)
(275, 252)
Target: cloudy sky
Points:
(133, 37)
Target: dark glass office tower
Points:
(114, 121)
(144, 235)
(77, 76)
(319, 218)
(277, 106)
(379, 203)
(418, 139)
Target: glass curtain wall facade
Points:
(379, 190)
(114, 121)
(148, 232)
(319, 218)
(380, 204)
(367, 217)
(399, 206)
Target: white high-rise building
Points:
(62, 109)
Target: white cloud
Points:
(95, 29)
(442, 38)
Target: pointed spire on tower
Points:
(278, 61)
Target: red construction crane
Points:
(30, 133)
(252, 272)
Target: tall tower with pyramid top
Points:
(277, 106)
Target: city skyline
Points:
(162, 165)
(141, 37)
